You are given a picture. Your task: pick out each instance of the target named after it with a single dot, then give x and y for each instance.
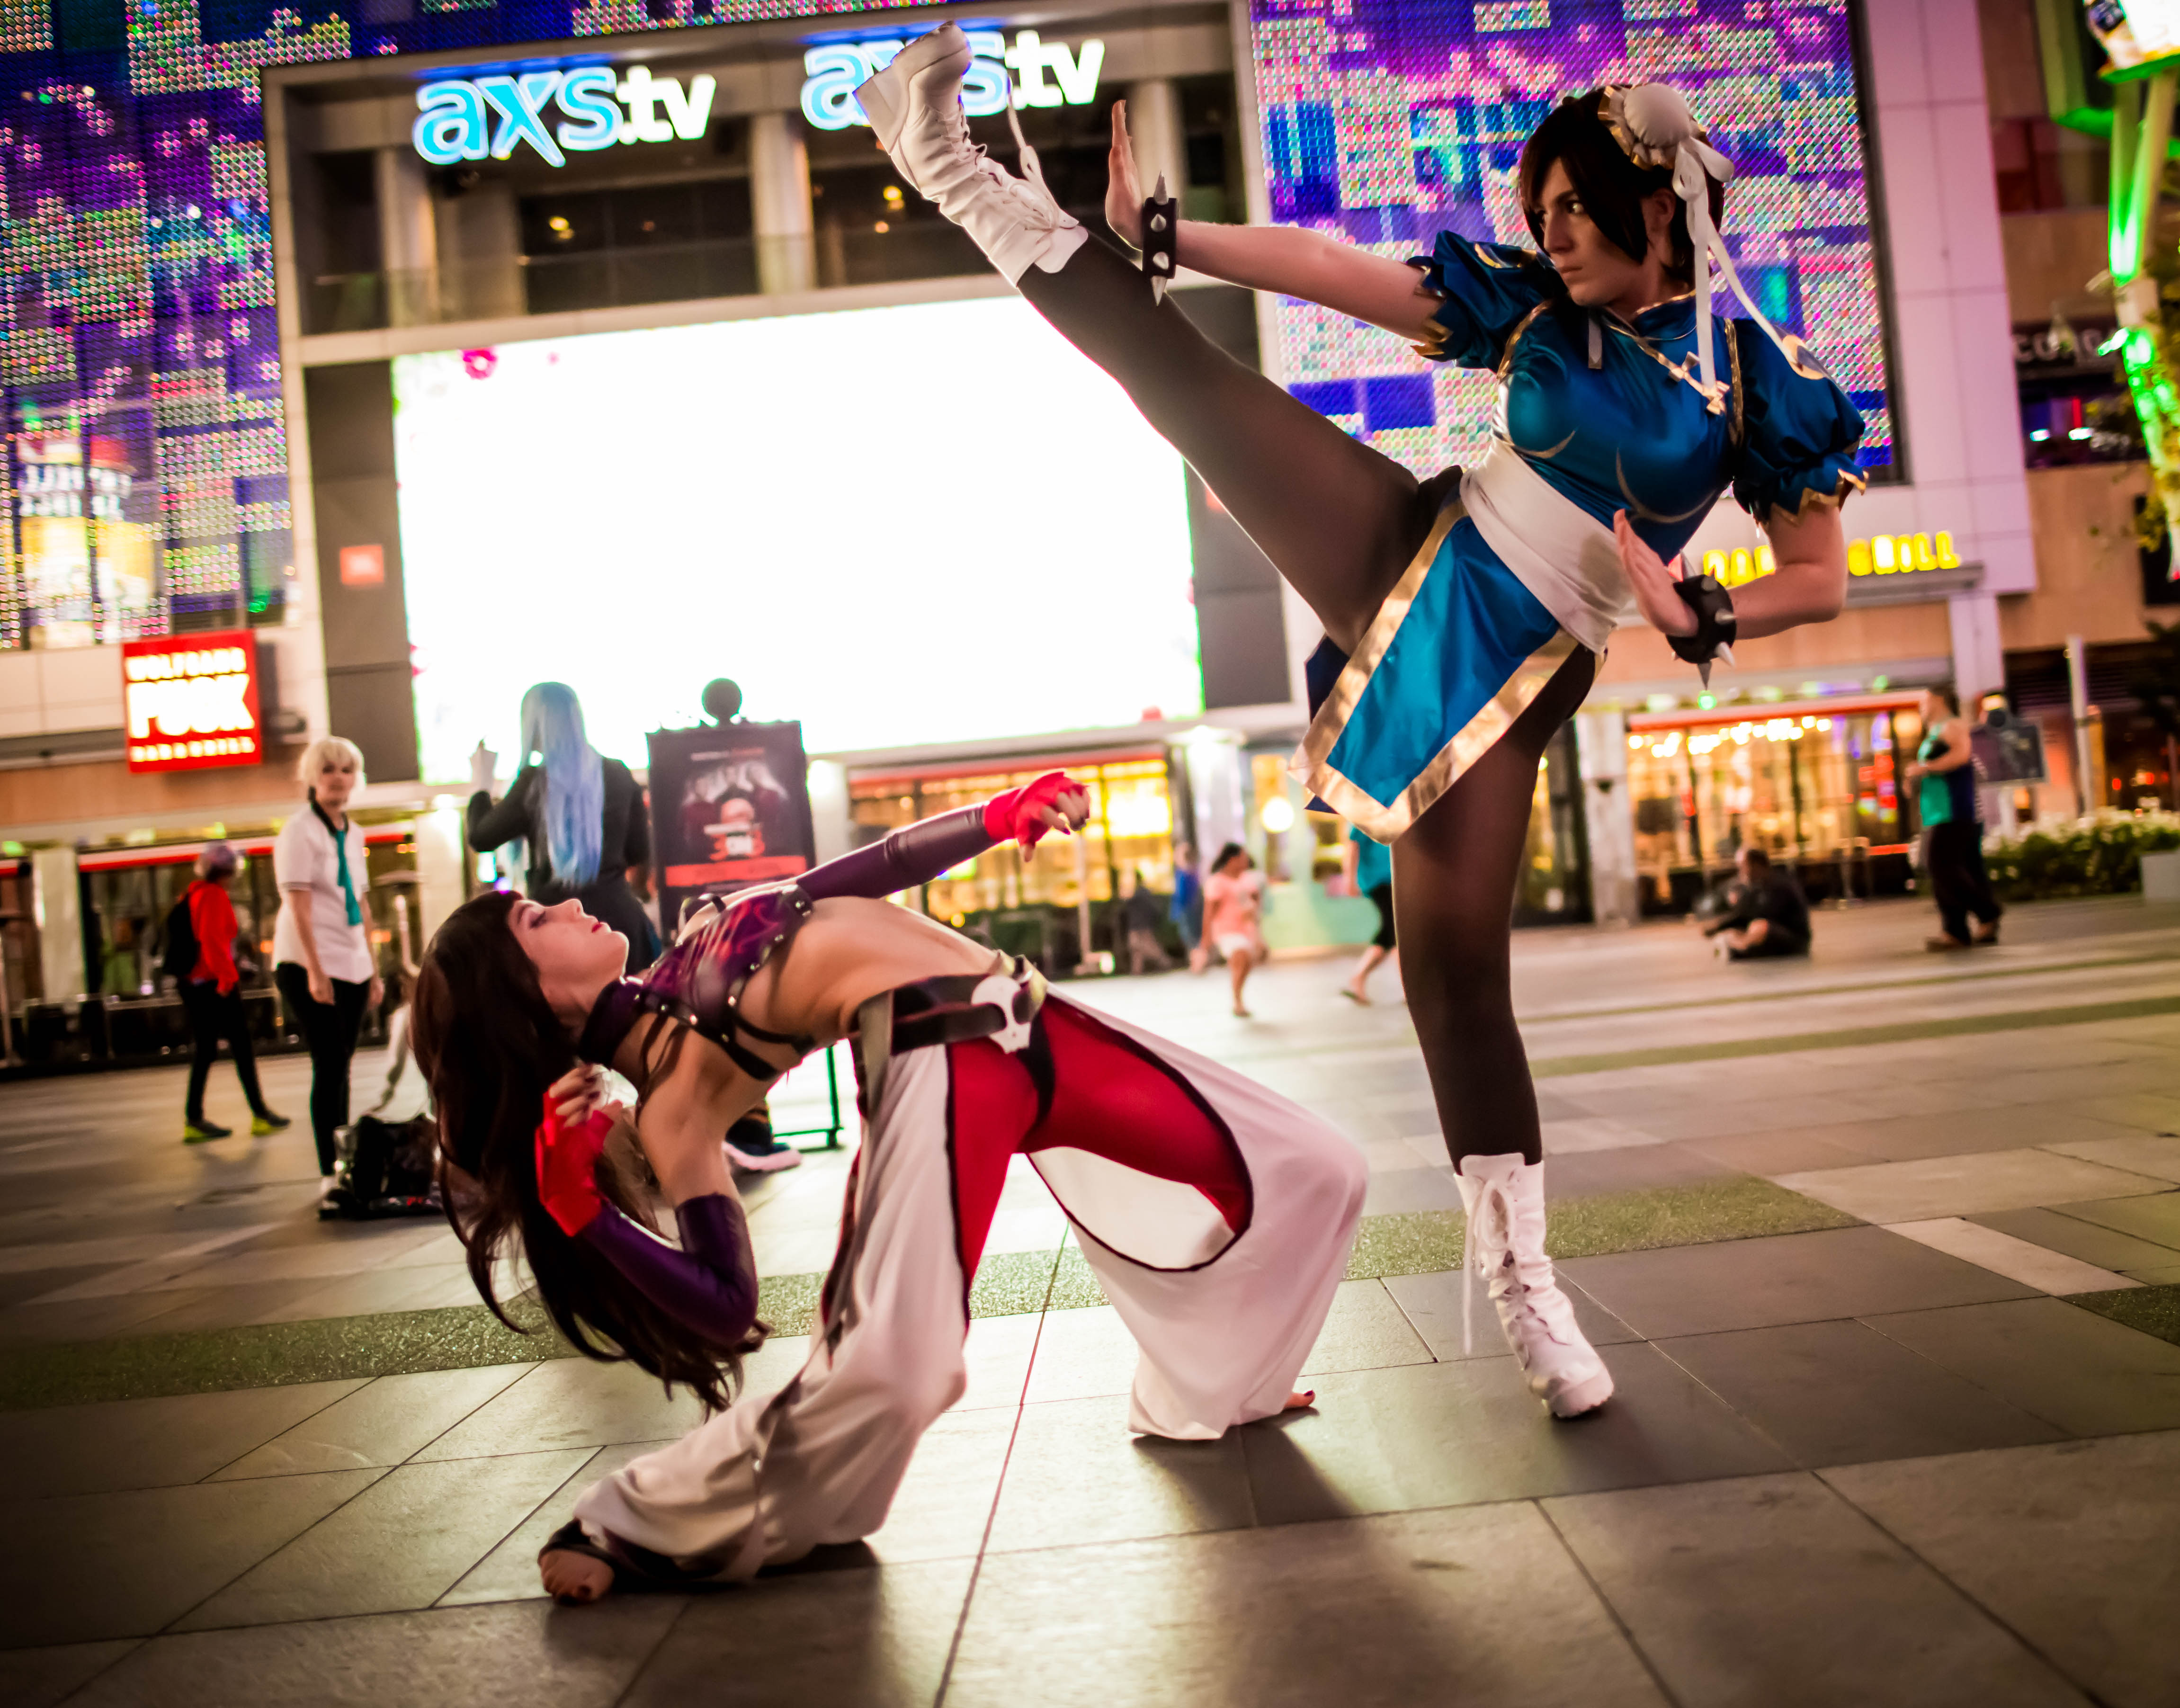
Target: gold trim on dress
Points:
(1513, 338)
(1644, 513)
(1474, 739)
(1850, 483)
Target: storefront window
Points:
(1818, 789)
(1128, 842)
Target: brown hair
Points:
(491, 1046)
(1612, 187)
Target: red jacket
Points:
(211, 918)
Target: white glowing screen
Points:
(925, 524)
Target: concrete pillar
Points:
(57, 907)
(2078, 696)
(780, 205)
(1155, 129)
(1978, 653)
(439, 855)
(408, 237)
(1608, 817)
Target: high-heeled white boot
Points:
(915, 107)
(1504, 1198)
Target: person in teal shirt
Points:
(1944, 775)
(1370, 865)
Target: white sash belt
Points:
(1554, 547)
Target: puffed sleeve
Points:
(1799, 434)
(1485, 291)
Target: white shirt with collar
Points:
(305, 865)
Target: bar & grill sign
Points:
(190, 701)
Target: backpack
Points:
(182, 955)
(390, 1171)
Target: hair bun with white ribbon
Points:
(1655, 128)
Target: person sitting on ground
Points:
(1766, 913)
(1141, 914)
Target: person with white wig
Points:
(321, 956)
(1465, 614)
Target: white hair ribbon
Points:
(1653, 127)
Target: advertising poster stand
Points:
(730, 808)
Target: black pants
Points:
(1952, 854)
(212, 1017)
(1381, 898)
(329, 1030)
(1340, 522)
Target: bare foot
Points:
(573, 1578)
(1301, 1400)
(1241, 1013)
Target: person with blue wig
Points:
(582, 814)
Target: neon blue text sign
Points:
(836, 70)
(477, 118)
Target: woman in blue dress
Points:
(1464, 615)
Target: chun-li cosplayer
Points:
(1217, 1216)
(1465, 615)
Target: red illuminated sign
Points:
(190, 701)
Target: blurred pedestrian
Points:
(1370, 869)
(211, 989)
(1140, 916)
(1186, 910)
(1943, 774)
(1766, 915)
(1233, 915)
(581, 813)
(321, 958)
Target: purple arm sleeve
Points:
(708, 1286)
(914, 854)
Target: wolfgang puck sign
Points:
(191, 701)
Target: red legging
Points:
(1109, 1098)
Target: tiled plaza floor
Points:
(1923, 1449)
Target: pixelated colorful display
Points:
(139, 354)
(1387, 121)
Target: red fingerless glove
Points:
(1012, 816)
(568, 1167)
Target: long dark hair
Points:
(1612, 187)
(490, 1045)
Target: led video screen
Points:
(899, 525)
(1391, 123)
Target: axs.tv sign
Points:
(476, 118)
(837, 69)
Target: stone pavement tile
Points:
(1780, 1278)
(18, 1286)
(1456, 1433)
(1076, 1475)
(862, 1638)
(2072, 1546)
(1399, 1192)
(509, 1572)
(43, 1678)
(2103, 1246)
(401, 1543)
(569, 1402)
(225, 1308)
(142, 1443)
(1963, 1132)
(2137, 1153)
(941, 1508)
(2089, 1375)
(1838, 1392)
(2018, 1260)
(87, 1319)
(2159, 1276)
(2157, 1220)
(1432, 1305)
(1594, 1133)
(1773, 1590)
(1481, 1605)
(1727, 1113)
(2149, 1111)
(1082, 1354)
(1364, 1330)
(998, 1354)
(450, 1657)
(420, 1287)
(127, 1564)
(1589, 1174)
(381, 1424)
(1964, 1185)
(1772, 1154)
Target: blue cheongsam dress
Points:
(1611, 414)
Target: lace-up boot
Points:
(1504, 1198)
(915, 107)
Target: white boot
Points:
(1504, 1198)
(915, 107)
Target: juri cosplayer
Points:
(1465, 615)
(1217, 1216)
